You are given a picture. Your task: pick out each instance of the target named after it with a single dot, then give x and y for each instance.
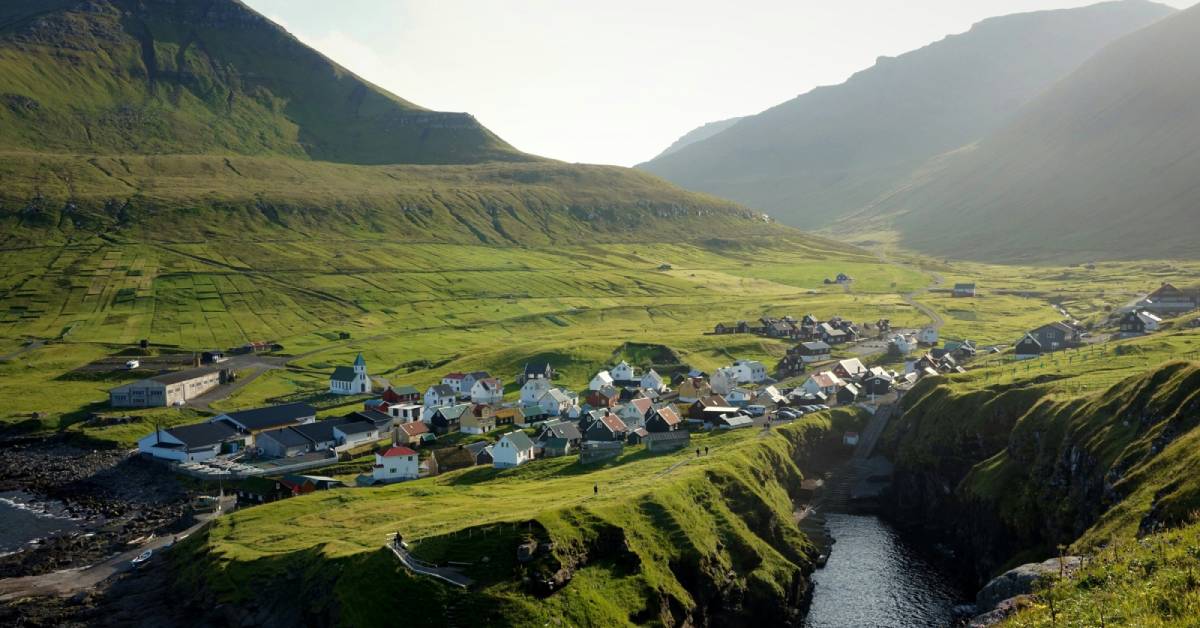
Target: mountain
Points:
(699, 133)
(1105, 164)
(202, 118)
(835, 149)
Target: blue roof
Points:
(359, 361)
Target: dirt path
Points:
(70, 581)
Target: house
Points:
(480, 451)
(1139, 322)
(1055, 336)
(824, 382)
(453, 458)
(696, 410)
(401, 395)
(487, 390)
(404, 413)
(636, 436)
(725, 328)
(469, 379)
(723, 380)
(560, 429)
(536, 370)
(928, 336)
(168, 389)
(849, 369)
(651, 380)
(607, 428)
(480, 420)
(354, 433)
(259, 490)
(604, 398)
(455, 381)
(847, 394)
(876, 384)
(1028, 347)
(440, 395)
(319, 433)
(284, 442)
(663, 419)
(396, 464)
(512, 450)
(634, 412)
(350, 380)
(815, 351)
(693, 388)
(192, 443)
(601, 380)
(964, 290)
(445, 419)
(557, 402)
(900, 344)
(215, 356)
(534, 413)
(510, 416)
(740, 396)
(410, 433)
(666, 441)
(557, 447)
(258, 420)
(533, 390)
(713, 416)
(750, 371)
(770, 395)
(1168, 299)
(623, 372)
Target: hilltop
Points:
(153, 119)
(834, 150)
(1102, 165)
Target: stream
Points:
(875, 579)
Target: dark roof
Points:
(271, 416)
(519, 439)
(443, 390)
(356, 427)
(203, 434)
(319, 431)
(563, 429)
(476, 447)
(175, 377)
(815, 346)
(405, 390)
(343, 374)
(287, 437)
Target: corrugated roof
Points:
(271, 416)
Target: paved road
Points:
(70, 581)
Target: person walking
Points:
(595, 489)
(697, 452)
(706, 450)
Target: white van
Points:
(132, 364)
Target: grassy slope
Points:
(656, 543)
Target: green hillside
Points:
(834, 150)
(158, 77)
(1103, 165)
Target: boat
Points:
(142, 558)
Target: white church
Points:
(350, 380)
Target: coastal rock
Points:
(1020, 580)
(1002, 611)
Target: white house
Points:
(488, 390)
(191, 443)
(601, 380)
(356, 433)
(739, 396)
(623, 372)
(533, 389)
(633, 413)
(557, 402)
(904, 344)
(750, 371)
(440, 395)
(723, 380)
(408, 412)
(1151, 321)
(928, 336)
(823, 382)
(396, 464)
(350, 380)
(454, 381)
(653, 381)
(512, 450)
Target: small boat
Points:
(142, 558)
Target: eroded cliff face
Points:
(1001, 474)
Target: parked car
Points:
(756, 411)
(132, 364)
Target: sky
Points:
(616, 81)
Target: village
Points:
(466, 419)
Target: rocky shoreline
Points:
(115, 498)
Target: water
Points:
(874, 579)
(23, 519)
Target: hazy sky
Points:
(616, 81)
